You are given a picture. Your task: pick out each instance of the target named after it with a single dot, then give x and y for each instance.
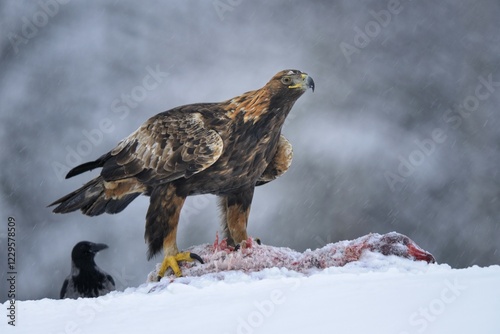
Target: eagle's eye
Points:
(286, 80)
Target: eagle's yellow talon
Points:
(172, 261)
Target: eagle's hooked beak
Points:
(309, 81)
(305, 82)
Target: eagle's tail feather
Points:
(88, 166)
(83, 198)
(91, 199)
(117, 205)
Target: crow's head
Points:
(84, 252)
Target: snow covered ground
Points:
(374, 294)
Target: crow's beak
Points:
(98, 247)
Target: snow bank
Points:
(376, 293)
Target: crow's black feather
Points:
(86, 278)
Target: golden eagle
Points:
(225, 148)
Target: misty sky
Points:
(401, 133)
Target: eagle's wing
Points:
(279, 164)
(166, 147)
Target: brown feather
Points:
(280, 163)
(224, 148)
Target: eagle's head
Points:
(291, 82)
(275, 98)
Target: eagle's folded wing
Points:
(165, 148)
(279, 164)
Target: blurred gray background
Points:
(400, 135)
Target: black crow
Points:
(86, 278)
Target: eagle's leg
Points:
(235, 210)
(161, 228)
